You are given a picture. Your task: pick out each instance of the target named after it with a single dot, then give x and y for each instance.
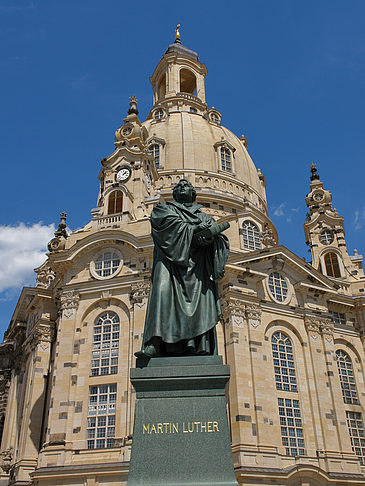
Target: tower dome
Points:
(186, 137)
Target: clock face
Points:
(124, 174)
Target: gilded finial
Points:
(177, 34)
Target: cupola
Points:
(179, 76)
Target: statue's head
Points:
(184, 191)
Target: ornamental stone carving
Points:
(267, 236)
(69, 303)
(45, 278)
(312, 325)
(42, 333)
(7, 459)
(139, 292)
(253, 315)
(316, 325)
(233, 313)
(233, 307)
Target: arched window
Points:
(226, 161)
(155, 152)
(187, 81)
(115, 202)
(105, 345)
(214, 118)
(347, 379)
(284, 369)
(332, 265)
(291, 426)
(162, 87)
(251, 236)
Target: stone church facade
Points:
(292, 331)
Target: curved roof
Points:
(192, 142)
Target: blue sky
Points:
(290, 75)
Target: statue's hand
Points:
(201, 227)
(204, 241)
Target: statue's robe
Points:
(183, 306)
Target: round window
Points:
(326, 236)
(127, 131)
(158, 115)
(278, 287)
(106, 264)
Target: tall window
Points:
(347, 378)
(155, 152)
(115, 202)
(355, 425)
(105, 345)
(226, 162)
(282, 351)
(251, 236)
(291, 427)
(332, 266)
(101, 416)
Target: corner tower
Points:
(325, 236)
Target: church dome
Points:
(192, 142)
(186, 138)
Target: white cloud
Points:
(22, 248)
(359, 218)
(279, 211)
(282, 210)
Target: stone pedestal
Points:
(181, 434)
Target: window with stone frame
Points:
(214, 117)
(278, 287)
(251, 236)
(355, 426)
(283, 358)
(326, 236)
(347, 379)
(337, 317)
(158, 114)
(332, 265)
(115, 202)
(105, 344)
(101, 416)
(291, 426)
(106, 264)
(155, 152)
(226, 159)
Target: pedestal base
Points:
(181, 434)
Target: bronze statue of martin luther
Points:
(190, 252)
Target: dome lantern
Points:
(180, 75)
